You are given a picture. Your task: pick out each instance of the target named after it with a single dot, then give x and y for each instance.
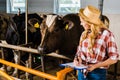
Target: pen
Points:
(76, 57)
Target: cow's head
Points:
(32, 20)
(33, 24)
(33, 27)
(3, 26)
(105, 20)
(53, 30)
(8, 29)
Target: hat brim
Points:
(97, 21)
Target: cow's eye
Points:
(56, 30)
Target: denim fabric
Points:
(80, 75)
(97, 74)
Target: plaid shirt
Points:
(103, 48)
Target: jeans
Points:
(97, 74)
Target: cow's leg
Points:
(3, 57)
(29, 65)
(27, 74)
(17, 61)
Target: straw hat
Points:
(90, 14)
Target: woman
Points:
(97, 47)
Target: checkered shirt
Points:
(103, 48)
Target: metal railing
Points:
(2, 73)
(31, 50)
(60, 74)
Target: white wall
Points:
(47, 6)
(115, 27)
(2, 5)
(109, 6)
(112, 6)
(43, 6)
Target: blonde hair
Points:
(95, 30)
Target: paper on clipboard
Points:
(71, 64)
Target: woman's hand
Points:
(77, 61)
(107, 62)
(91, 67)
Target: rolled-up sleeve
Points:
(112, 47)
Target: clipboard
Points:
(71, 64)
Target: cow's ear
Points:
(65, 25)
(68, 25)
(36, 25)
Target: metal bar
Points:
(19, 48)
(33, 51)
(100, 6)
(61, 74)
(35, 72)
(26, 21)
(30, 61)
(6, 75)
(3, 57)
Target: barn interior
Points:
(11, 8)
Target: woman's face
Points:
(84, 24)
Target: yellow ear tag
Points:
(36, 25)
(66, 27)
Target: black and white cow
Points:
(8, 34)
(12, 30)
(34, 34)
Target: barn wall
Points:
(110, 6)
(44, 6)
(2, 5)
(115, 27)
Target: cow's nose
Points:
(40, 49)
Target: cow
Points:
(8, 34)
(34, 20)
(61, 34)
(12, 30)
(33, 35)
